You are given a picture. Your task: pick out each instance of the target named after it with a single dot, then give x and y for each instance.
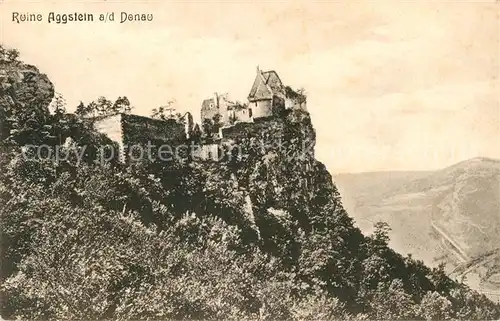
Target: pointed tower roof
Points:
(265, 85)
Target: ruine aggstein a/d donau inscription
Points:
(76, 17)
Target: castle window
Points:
(249, 112)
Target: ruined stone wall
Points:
(111, 126)
(209, 112)
(240, 114)
(138, 130)
(132, 130)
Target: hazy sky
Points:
(391, 85)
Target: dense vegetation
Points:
(262, 236)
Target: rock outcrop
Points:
(25, 94)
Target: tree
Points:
(442, 283)
(301, 91)
(58, 104)
(393, 303)
(164, 112)
(211, 126)
(10, 55)
(381, 234)
(81, 109)
(104, 107)
(299, 95)
(4, 130)
(60, 127)
(92, 109)
(122, 105)
(435, 307)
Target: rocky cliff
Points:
(25, 94)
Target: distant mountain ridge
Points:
(450, 215)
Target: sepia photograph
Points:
(249, 160)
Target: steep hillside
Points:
(451, 215)
(261, 234)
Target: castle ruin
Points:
(268, 99)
